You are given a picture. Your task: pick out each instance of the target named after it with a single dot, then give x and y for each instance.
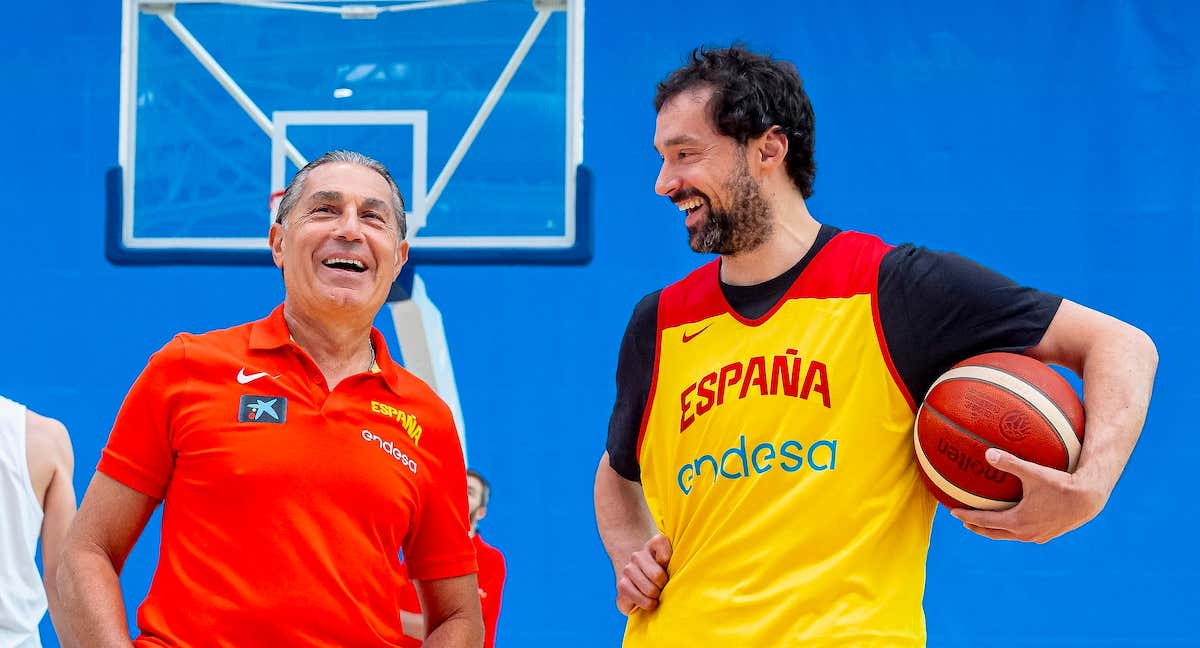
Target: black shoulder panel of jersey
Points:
(635, 370)
(938, 308)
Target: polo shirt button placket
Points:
(319, 391)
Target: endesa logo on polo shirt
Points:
(390, 448)
(262, 409)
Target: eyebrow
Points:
(677, 140)
(326, 196)
(337, 197)
(375, 203)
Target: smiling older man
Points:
(295, 460)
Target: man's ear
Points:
(481, 512)
(275, 240)
(771, 150)
(401, 258)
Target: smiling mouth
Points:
(340, 263)
(689, 205)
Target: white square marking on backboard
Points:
(418, 119)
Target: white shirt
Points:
(22, 595)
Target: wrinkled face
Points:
(339, 247)
(707, 176)
(476, 508)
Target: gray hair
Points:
(295, 188)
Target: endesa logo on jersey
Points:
(739, 462)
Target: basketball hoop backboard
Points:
(474, 105)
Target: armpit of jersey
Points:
(635, 368)
(937, 308)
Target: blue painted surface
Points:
(1055, 142)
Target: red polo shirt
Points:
(285, 505)
(491, 587)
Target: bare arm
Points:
(639, 553)
(622, 517)
(1117, 363)
(52, 468)
(451, 610)
(108, 524)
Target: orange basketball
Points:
(994, 400)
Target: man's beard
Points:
(743, 226)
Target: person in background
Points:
(491, 571)
(37, 501)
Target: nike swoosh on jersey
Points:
(688, 338)
(243, 378)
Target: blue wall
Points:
(1055, 142)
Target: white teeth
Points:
(689, 204)
(353, 262)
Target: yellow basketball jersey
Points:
(776, 455)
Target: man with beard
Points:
(759, 486)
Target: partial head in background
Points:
(734, 128)
(339, 235)
(479, 491)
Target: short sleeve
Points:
(635, 370)
(438, 544)
(938, 308)
(140, 452)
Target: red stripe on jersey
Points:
(883, 345)
(653, 384)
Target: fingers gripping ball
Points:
(994, 400)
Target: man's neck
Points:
(793, 236)
(340, 348)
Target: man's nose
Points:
(349, 226)
(667, 182)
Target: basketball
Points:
(994, 400)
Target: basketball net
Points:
(273, 203)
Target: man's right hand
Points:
(641, 580)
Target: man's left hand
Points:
(1053, 503)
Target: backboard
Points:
(474, 105)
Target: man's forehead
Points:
(342, 178)
(684, 116)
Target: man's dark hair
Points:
(487, 487)
(751, 94)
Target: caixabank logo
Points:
(262, 409)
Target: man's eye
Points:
(374, 215)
